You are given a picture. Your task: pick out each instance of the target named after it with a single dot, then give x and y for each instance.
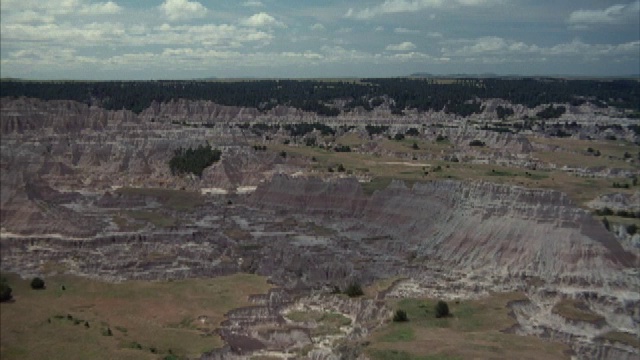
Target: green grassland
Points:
(397, 163)
(474, 331)
(147, 320)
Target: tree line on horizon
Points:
(460, 96)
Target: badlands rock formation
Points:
(506, 230)
(62, 160)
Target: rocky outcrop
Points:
(510, 230)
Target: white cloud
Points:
(262, 20)
(489, 49)
(401, 30)
(177, 10)
(28, 17)
(404, 6)
(101, 8)
(616, 14)
(317, 27)
(32, 10)
(253, 3)
(405, 46)
(115, 34)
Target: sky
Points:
(189, 39)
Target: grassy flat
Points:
(474, 331)
(576, 311)
(146, 319)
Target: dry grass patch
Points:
(327, 323)
(577, 311)
(146, 319)
(622, 337)
(380, 286)
(474, 331)
(351, 139)
(155, 218)
(237, 234)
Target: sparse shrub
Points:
(86, 324)
(37, 283)
(415, 146)
(342, 148)
(606, 224)
(476, 143)
(632, 229)
(604, 212)
(107, 332)
(442, 309)
(398, 137)
(283, 154)
(354, 290)
(341, 168)
(400, 316)
(412, 132)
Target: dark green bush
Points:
(400, 316)
(5, 290)
(354, 290)
(37, 283)
(442, 309)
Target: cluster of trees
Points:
(551, 112)
(457, 97)
(302, 129)
(503, 112)
(376, 129)
(397, 137)
(342, 148)
(622, 213)
(412, 132)
(193, 160)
